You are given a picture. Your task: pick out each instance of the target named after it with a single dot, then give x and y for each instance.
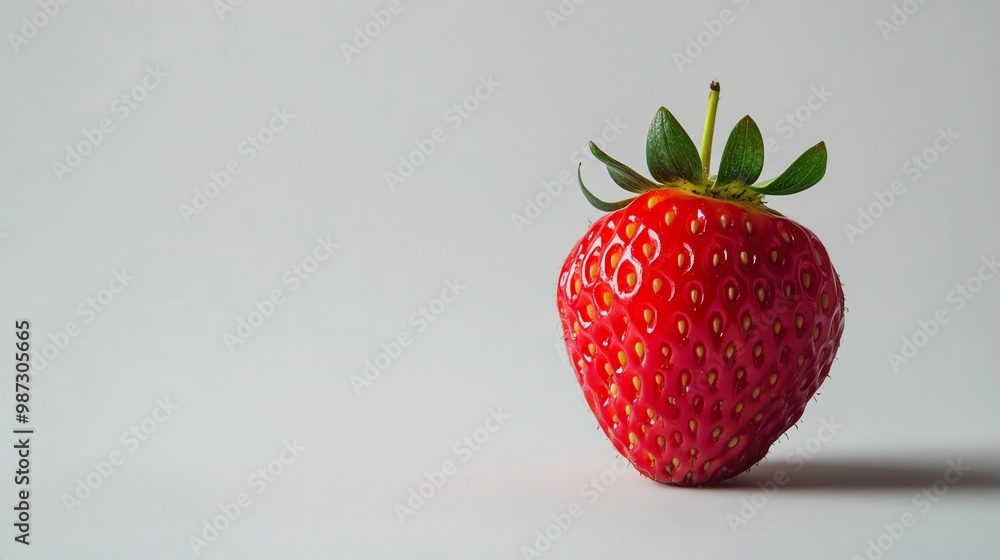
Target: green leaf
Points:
(802, 174)
(596, 202)
(670, 153)
(622, 174)
(743, 157)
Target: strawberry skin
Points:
(699, 328)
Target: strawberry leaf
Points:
(802, 174)
(743, 157)
(670, 153)
(622, 174)
(596, 202)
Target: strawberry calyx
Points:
(675, 162)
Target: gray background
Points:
(496, 345)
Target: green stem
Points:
(706, 137)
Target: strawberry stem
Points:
(706, 138)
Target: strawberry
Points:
(700, 322)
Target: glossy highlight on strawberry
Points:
(699, 322)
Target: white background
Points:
(890, 91)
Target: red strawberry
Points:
(700, 322)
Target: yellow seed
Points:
(724, 220)
(577, 286)
(628, 410)
(715, 433)
(661, 442)
(576, 327)
(758, 349)
(657, 284)
(580, 364)
(685, 378)
(788, 289)
(799, 321)
(806, 280)
(681, 326)
(699, 351)
(712, 377)
(650, 455)
(716, 258)
(731, 293)
(614, 258)
(613, 389)
(648, 316)
(730, 350)
(636, 383)
(786, 237)
(749, 227)
(744, 258)
(680, 260)
(647, 249)
(694, 226)
(653, 201)
(608, 370)
(746, 322)
(693, 425)
(738, 408)
(816, 333)
(757, 418)
(591, 312)
(629, 231)
(632, 439)
(650, 413)
(716, 324)
(592, 273)
(773, 379)
(607, 299)
(694, 295)
(824, 300)
(774, 256)
(669, 218)
(761, 294)
(622, 358)
(630, 279)
(819, 260)
(676, 462)
(640, 350)
(755, 393)
(665, 349)
(734, 441)
(777, 326)
(800, 361)
(592, 348)
(659, 382)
